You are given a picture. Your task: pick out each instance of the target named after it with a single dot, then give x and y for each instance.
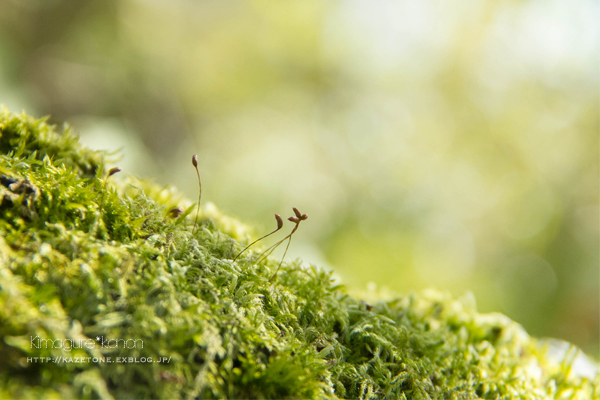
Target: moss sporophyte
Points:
(85, 257)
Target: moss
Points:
(84, 262)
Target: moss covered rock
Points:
(105, 294)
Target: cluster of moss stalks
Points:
(84, 262)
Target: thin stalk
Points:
(195, 164)
(110, 173)
(279, 226)
(263, 256)
(282, 258)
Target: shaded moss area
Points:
(91, 271)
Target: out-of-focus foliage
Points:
(96, 281)
(432, 143)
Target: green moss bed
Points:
(105, 294)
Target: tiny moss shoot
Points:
(78, 272)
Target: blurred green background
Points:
(432, 143)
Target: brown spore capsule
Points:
(114, 170)
(279, 221)
(297, 212)
(175, 212)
